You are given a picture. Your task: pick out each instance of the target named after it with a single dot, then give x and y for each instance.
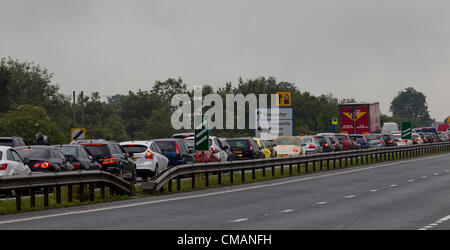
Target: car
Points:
(148, 157)
(245, 148)
(11, 163)
(360, 139)
(262, 144)
(79, 157)
(175, 150)
(375, 141)
(113, 158)
(416, 139)
(216, 147)
(325, 143)
(286, 146)
(347, 143)
(388, 140)
(205, 156)
(335, 143)
(13, 141)
(389, 127)
(43, 159)
(310, 145)
(227, 149)
(397, 138)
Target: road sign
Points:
(77, 134)
(284, 99)
(334, 121)
(272, 123)
(201, 133)
(406, 130)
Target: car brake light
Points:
(3, 166)
(311, 146)
(148, 155)
(251, 148)
(325, 145)
(213, 149)
(177, 149)
(109, 161)
(381, 141)
(390, 141)
(76, 164)
(295, 149)
(45, 165)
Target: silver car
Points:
(310, 145)
(147, 156)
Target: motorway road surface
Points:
(409, 194)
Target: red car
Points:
(208, 156)
(346, 142)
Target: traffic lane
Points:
(408, 206)
(216, 212)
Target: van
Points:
(389, 127)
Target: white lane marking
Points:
(349, 196)
(436, 173)
(240, 220)
(431, 225)
(321, 203)
(287, 210)
(410, 180)
(447, 171)
(393, 185)
(423, 177)
(374, 190)
(144, 203)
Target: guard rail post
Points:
(58, 194)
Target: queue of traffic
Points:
(136, 160)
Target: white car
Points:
(286, 146)
(397, 137)
(416, 138)
(148, 157)
(11, 163)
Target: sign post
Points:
(334, 123)
(77, 134)
(201, 136)
(406, 130)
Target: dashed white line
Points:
(374, 190)
(240, 220)
(287, 210)
(423, 177)
(410, 180)
(431, 225)
(436, 173)
(322, 203)
(349, 196)
(393, 185)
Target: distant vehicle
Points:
(245, 148)
(443, 127)
(416, 139)
(175, 150)
(112, 157)
(347, 142)
(44, 158)
(79, 157)
(183, 135)
(147, 156)
(14, 141)
(205, 156)
(375, 141)
(227, 149)
(397, 138)
(11, 163)
(360, 118)
(325, 143)
(425, 130)
(215, 146)
(389, 127)
(288, 146)
(262, 144)
(310, 145)
(335, 143)
(388, 140)
(360, 139)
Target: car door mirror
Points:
(26, 161)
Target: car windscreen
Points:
(321, 140)
(166, 146)
(238, 144)
(98, 150)
(34, 153)
(135, 149)
(189, 142)
(373, 137)
(341, 137)
(285, 141)
(386, 137)
(307, 140)
(6, 142)
(69, 150)
(396, 137)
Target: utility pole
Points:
(73, 111)
(82, 110)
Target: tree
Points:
(4, 93)
(26, 120)
(410, 103)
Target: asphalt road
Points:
(410, 194)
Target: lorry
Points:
(443, 127)
(360, 118)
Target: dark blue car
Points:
(175, 150)
(360, 139)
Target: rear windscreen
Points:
(238, 144)
(307, 140)
(69, 150)
(386, 137)
(321, 140)
(166, 146)
(396, 137)
(285, 142)
(341, 137)
(6, 142)
(134, 148)
(189, 143)
(98, 151)
(33, 153)
(373, 137)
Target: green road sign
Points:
(201, 133)
(406, 130)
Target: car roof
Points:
(136, 142)
(4, 148)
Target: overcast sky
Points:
(368, 50)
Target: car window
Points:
(238, 144)
(6, 142)
(9, 156)
(60, 155)
(67, 150)
(133, 148)
(98, 150)
(16, 156)
(32, 153)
